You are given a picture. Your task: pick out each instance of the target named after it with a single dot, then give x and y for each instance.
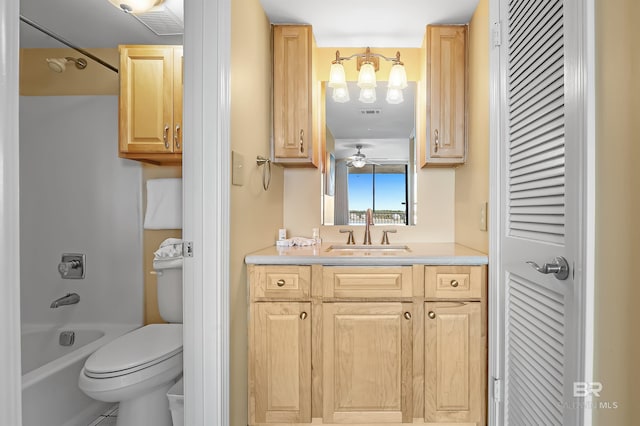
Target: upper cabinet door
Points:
(178, 85)
(293, 95)
(146, 99)
(446, 94)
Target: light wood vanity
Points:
(367, 338)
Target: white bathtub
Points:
(50, 393)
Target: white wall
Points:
(76, 195)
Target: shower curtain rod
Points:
(68, 43)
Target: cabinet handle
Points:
(303, 315)
(301, 141)
(166, 136)
(454, 283)
(176, 139)
(432, 314)
(280, 283)
(407, 315)
(437, 140)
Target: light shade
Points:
(336, 75)
(136, 6)
(341, 93)
(394, 96)
(367, 76)
(358, 163)
(398, 77)
(367, 95)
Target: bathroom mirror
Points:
(370, 163)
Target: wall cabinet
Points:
(366, 345)
(150, 107)
(295, 97)
(446, 75)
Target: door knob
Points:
(559, 267)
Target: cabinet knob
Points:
(454, 283)
(431, 314)
(407, 315)
(165, 136)
(303, 315)
(301, 141)
(176, 138)
(280, 283)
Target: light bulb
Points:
(367, 95)
(398, 77)
(394, 96)
(341, 94)
(135, 6)
(367, 76)
(336, 75)
(358, 163)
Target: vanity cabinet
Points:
(150, 106)
(295, 97)
(446, 77)
(367, 344)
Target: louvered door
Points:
(539, 220)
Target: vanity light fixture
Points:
(367, 64)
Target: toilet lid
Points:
(135, 350)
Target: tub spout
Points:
(69, 299)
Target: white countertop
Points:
(417, 253)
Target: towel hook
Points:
(266, 172)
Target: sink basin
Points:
(369, 248)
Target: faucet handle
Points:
(350, 239)
(385, 236)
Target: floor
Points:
(109, 418)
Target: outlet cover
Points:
(237, 168)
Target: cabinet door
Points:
(454, 370)
(367, 363)
(280, 363)
(446, 94)
(178, 84)
(292, 93)
(146, 99)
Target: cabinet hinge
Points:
(497, 390)
(187, 249)
(496, 34)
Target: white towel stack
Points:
(169, 254)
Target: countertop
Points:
(417, 254)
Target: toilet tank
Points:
(170, 293)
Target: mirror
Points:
(370, 159)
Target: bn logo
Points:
(584, 389)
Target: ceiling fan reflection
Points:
(359, 160)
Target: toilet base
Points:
(150, 409)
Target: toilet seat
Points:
(140, 349)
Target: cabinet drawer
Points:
(454, 282)
(280, 282)
(387, 281)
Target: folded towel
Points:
(164, 204)
(296, 241)
(168, 263)
(171, 247)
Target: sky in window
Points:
(390, 191)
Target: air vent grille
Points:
(370, 112)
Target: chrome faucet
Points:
(367, 231)
(69, 299)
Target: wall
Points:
(76, 195)
(617, 183)
(472, 179)
(256, 214)
(436, 187)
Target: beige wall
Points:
(303, 187)
(256, 214)
(617, 183)
(472, 179)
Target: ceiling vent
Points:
(163, 20)
(371, 111)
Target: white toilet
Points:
(138, 368)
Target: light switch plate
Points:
(483, 216)
(237, 168)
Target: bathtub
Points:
(50, 393)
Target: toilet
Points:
(138, 368)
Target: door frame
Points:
(582, 113)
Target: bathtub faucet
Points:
(69, 299)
